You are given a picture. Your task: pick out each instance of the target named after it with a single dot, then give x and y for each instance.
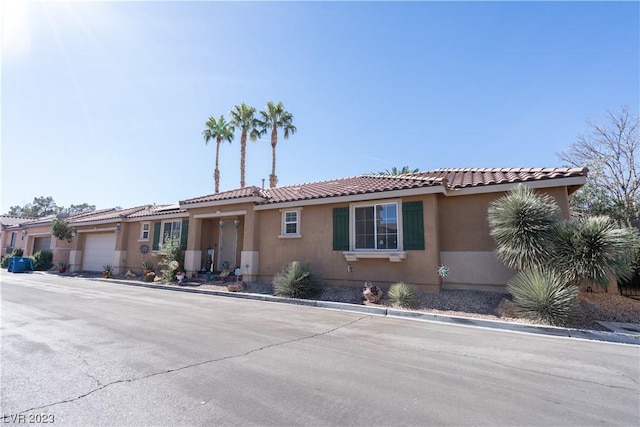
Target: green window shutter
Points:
(184, 234)
(413, 226)
(340, 229)
(156, 236)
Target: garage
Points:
(98, 251)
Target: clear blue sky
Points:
(105, 102)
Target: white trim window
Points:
(13, 239)
(290, 223)
(376, 227)
(145, 231)
(171, 229)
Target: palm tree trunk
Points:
(273, 179)
(243, 155)
(216, 173)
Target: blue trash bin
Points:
(20, 265)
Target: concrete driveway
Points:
(93, 353)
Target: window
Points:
(291, 223)
(379, 230)
(13, 240)
(376, 227)
(145, 228)
(171, 229)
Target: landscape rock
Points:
(506, 308)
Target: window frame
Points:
(13, 239)
(283, 223)
(142, 231)
(392, 255)
(162, 239)
(374, 203)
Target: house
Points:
(370, 227)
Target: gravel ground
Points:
(606, 307)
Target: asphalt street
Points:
(82, 352)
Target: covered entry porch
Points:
(222, 240)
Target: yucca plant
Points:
(593, 250)
(544, 296)
(520, 224)
(403, 295)
(297, 280)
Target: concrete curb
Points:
(614, 337)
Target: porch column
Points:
(193, 254)
(119, 261)
(249, 256)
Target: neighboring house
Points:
(380, 228)
(10, 234)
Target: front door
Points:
(227, 244)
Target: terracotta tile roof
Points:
(104, 214)
(8, 220)
(152, 210)
(474, 177)
(240, 193)
(362, 184)
(451, 179)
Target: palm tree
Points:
(219, 130)
(395, 171)
(274, 117)
(243, 117)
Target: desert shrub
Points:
(170, 251)
(18, 252)
(403, 295)
(593, 250)
(544, 296)
(297, 280)
(15, 253)
(520, 224)
(42, 260)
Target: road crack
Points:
(182, 368)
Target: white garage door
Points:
(98, 251)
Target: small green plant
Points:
(147, 265)
(18, 252)
(297, 280)
(15, 253)
(544, 296)
(171, 254)
(403, 295)
(62, 267)
(42, 260)
(61, 230)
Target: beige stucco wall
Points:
(468, 249)
(5, 241)
(316, 246)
